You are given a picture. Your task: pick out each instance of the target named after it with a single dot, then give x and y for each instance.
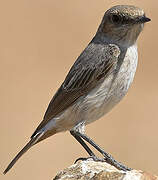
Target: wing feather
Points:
(92, 66)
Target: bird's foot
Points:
(116, 164)
(110, 161)
(94, 158)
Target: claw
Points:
(94, 158)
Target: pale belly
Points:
(113, 88)
(101, 99)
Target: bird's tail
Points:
(26, 148)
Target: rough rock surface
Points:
(90, 170)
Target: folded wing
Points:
(91, 67)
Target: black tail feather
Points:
(25, 149)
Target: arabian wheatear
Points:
(97, 81)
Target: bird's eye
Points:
(116, 19)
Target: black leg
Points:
(78, 138)
(108, 158)
(90, 152)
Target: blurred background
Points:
(39, 41)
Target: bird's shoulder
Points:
(93, 60)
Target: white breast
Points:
(102, 100)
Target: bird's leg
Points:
(89, 151)
(107, 157)
(78, 138)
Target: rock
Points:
(90, 170)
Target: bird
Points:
(97, 81)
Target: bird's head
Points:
(122, 24)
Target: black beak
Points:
(144, 19)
